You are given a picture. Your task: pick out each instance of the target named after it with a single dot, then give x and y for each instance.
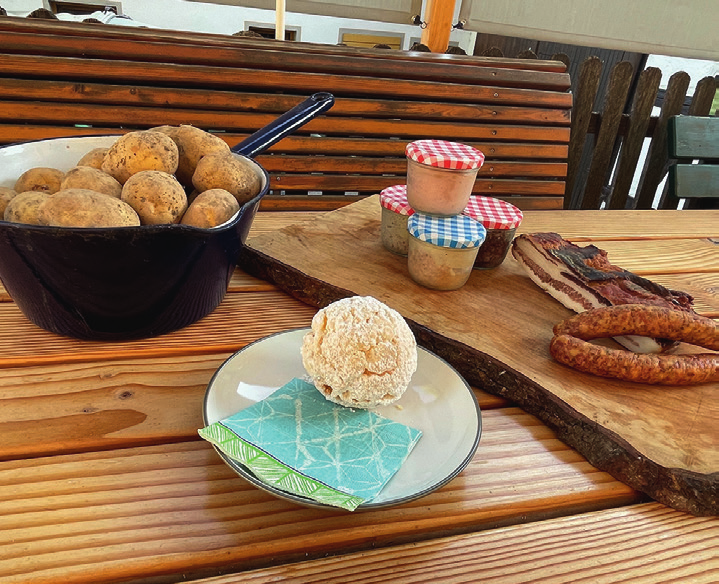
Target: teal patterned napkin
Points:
(298, 441)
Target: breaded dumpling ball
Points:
(360, 353)
(138, 151)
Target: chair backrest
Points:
(694, 145)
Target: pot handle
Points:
(287, 123)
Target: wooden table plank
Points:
(240, 319)
(574, 225)
(593, 225)
(80, 407)
(643, 543)
(144, 512)
(664, 256)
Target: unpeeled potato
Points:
(194, 143)
(156, 196)
(87, 177)
(85, 208)
(227, 171)
(211, 208)
(6, 194)
(39, 179)
(94, 158)
(25, 207)
(138, 151)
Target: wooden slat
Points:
(386, 165)
(330, 203)
(693, 137)
(30, 67)
(655, 167)
(60, 409)
(89, 93)
(668, 256)
(280, 60)
(600, 226)
(586, 91)
(62, 29)
(70, 114)
(694, 180)
(641, 543)
(303, 144)
(599, 168)
(374, 184)
(702, 287)
(143, 512)
(633, 142)
(230, 327)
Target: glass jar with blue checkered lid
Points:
(442, 250)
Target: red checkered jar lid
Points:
(493, 213)
(443, 154)
(395, 199)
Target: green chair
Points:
(694, 145)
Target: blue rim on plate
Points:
(438, 401)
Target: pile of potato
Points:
(142, 179)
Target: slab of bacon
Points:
(582, 278)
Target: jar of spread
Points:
(440, 175)
(395, 211)
(442, 250)
(501, 220)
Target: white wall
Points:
(220, 19)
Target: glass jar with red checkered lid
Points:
(395, 211)
(501, 220)
(440, 175)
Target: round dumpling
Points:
(360, 352)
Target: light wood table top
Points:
(103, 477)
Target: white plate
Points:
(438, 402)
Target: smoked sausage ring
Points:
(570, 347)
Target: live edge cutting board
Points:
(496, 331)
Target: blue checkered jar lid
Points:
(458, 231)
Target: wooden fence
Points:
(606, 146)
(616, 140)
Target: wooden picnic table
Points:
(103, 477)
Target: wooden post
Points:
(438, 17)
(280, 20)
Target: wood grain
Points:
(80, 407)
(642, 543)
(240, 319)
(658, 440)
(75, 82)
(576, 226)
(147, 512)
(594, 225)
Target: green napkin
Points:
(299, 442)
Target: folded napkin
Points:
(299, 442)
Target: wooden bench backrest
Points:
(59, 79)
(694, 138)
